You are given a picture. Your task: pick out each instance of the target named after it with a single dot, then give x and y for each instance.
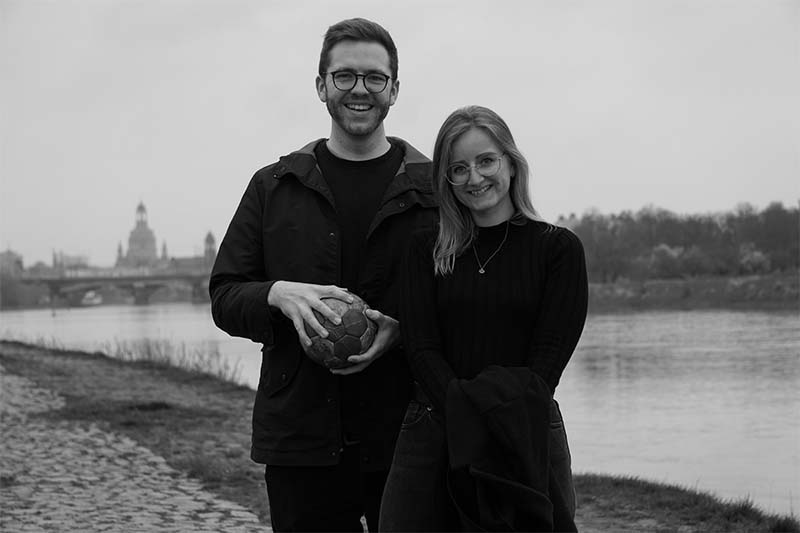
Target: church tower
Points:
(141, 242)
(210, 249)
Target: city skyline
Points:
(129, 252)
(687, 107)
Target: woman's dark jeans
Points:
(560, 458)
(415, 497)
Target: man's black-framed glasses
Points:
(345, 80)
(487, 165)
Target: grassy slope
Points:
(201, 425)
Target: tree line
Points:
(655, 243)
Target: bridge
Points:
(141, 282)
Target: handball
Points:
(353, 336)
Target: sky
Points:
(686, 105)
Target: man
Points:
(336, 214)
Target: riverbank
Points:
(774, 291)
(200, 426)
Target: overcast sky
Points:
(686, 105)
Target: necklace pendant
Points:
(481, 270)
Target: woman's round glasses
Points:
(486, 165)
(374, 82)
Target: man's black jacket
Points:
(285, 229)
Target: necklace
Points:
(482, 267)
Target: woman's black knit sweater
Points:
(527, 309)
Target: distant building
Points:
(210, 250)
(62, 261)
(11, 264)
(12, 293)
(141, 244)
(201, 263)
(142, 250)
(40, 268)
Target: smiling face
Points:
(357, 113)
(487, 198)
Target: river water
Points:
(704, 399)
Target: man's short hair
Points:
(357, 29)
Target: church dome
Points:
(142, 241)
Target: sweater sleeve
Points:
(563, 309)
(238, 284)
(419, 323)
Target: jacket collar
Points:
(299, 163)
(413, 174)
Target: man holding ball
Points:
(328, 220)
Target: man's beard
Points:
(357, 128)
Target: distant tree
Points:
(752, 260)
(665, 261)
(744, 223)
(597, 233)
(779, 235)
(10, 291)
(655, 242)
(696, 262)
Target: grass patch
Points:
(673, 506)
(166, 353)
(160, 353)
(130, 413)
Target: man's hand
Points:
(297, 301)
(387, 336)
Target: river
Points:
(703, 399)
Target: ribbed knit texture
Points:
(527, 309)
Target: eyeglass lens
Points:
(486, 166)
(345, 81)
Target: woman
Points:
(493, 305)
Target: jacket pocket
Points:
(278, 369)
(559, 447)
(415, 413)
(560, 458)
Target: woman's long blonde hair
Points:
(456, 227)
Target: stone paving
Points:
(68, 476)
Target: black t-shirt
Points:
(358, 188)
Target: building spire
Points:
(141, 214)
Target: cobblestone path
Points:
(68, 476)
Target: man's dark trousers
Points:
(325, 498)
